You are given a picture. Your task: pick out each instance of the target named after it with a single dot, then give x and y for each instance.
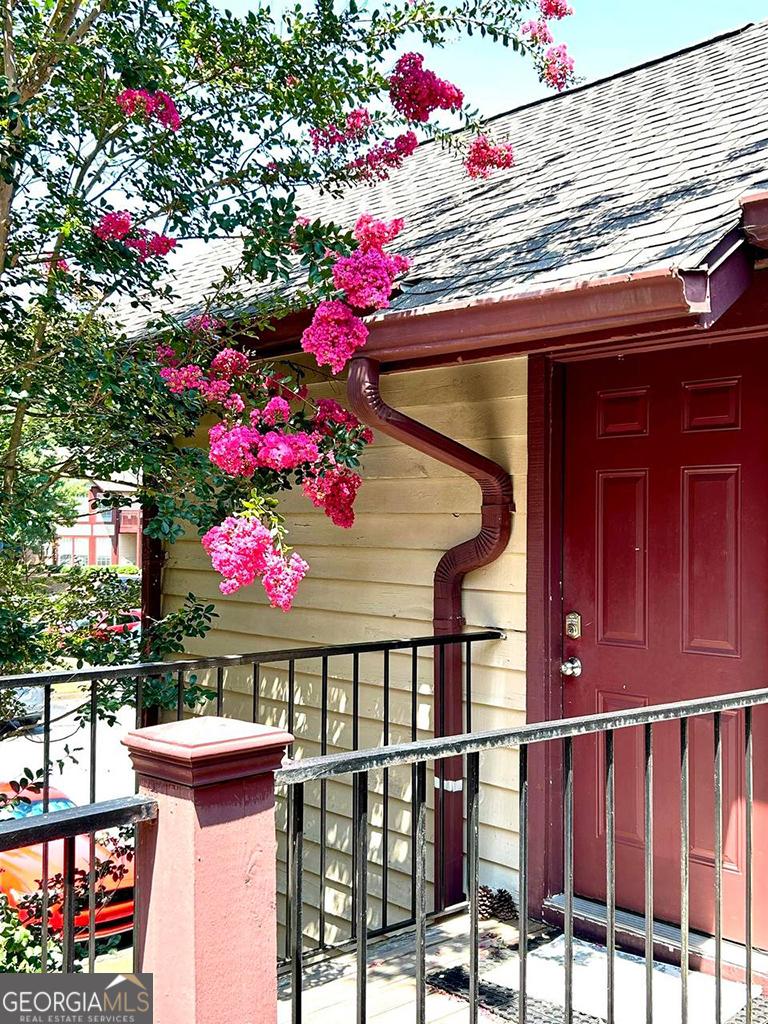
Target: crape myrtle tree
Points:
(130, 126)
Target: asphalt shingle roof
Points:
(634, 172)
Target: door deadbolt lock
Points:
(573, 625)
(571, 667)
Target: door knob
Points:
(571, 667)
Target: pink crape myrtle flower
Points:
(286, 451)
(238, 548)
(538, 32)
(150, 104)
(355, 128)
(301, 222)
(235, 404)
(182, 378)
(376, 164)
(114, 226)
(165, 111)
(334, 491)
(558, 67)
(282, 578)
(483, 157)
(276, 410)
(59, 264)
(165, 354)
(374, 234)
(203, 323)
(367, 276)
(358, 122)
(334, 334)
(243, 550)
(230, 363)
(131, 100)
(555, 9)
(232, 449)
(150, 243)
(416, 92)
(215, 390)
(329, 413)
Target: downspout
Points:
(496, 508)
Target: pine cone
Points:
(504, 907)
(485, 902)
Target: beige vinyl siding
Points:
(374, 582)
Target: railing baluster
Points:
(648, 873)
(361, 785)
(139, 698)
(291, 695)
(92, 902)
(685, 881)
(748, 797)
(718, 785)
(289, 798)
(523, 886)
(296, 889)
(179, 695)
(568, 872)
(420, 855)
(385, 814)
(414, 781)
(219, 690)
(323, 799)
(256, 677)
(468, 688)
(610, 874)
(473, 867)
(68, 908)
(93, 712)
(438, 715)
(46, 802)
(136, 952)
(355, 746)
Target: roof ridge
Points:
(700, 45)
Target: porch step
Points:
(700, 945)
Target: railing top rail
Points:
(75, 821)
(150, 668)
(468, 743)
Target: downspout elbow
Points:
(497, 502)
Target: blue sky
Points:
(604, 36)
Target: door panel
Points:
(665, 556)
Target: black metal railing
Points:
(65, 912)
(283, 687)
(567, 733)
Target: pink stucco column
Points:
(206, 869)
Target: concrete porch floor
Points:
(330, 985)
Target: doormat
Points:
(546, 988)
(504, 1002)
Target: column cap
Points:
(206, 750)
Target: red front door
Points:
(666, 560)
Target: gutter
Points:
(754, 206)
(497, 505)
(558, 317)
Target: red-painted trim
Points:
(544, 621)
(754, 207)
(496, 509)
(604, 303)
